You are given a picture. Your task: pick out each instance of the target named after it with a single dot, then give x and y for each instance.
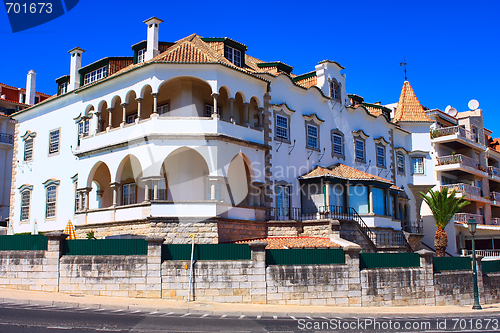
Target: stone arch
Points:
(88, 108)
(116, 112)
(132, 105)
(239, 108)
(103, 197)
(129, 175)
(223, 103)
(253, 112)
(185, 174)
(103, 116)
(239, 178)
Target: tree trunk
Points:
(440, 242)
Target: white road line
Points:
(137, 311)
(258, 317)
(119, 310)
(167, 314)
(275, 317)
(241, 317)
(186, 314)
(309, 318)
(325, 318)
(206, 314)
(152, 313)
(223, 316)
(293, 317)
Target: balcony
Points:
(6, 138)
(495, 221)
(460, 163)
(166, 128)
(413, 227)
(495, 198)
(494, 173)
(465, 217)
(456, 137)
(468, 191)
(482, 253)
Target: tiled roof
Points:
(343, 171)
(409, 108)
(373, 110)
(294, 242)
(23, 89)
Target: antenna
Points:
(473, 104)
(404, 63)
(451, 111)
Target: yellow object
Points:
(186, 266)
(70, 230)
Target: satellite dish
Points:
(473, 104)
(447, 109)
(452, 112)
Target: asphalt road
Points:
(23, 318)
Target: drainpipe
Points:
(191, 269)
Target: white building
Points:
(197, 136)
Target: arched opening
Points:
(239, 180)
(185, 174)
(223, 104)
(147, 102)
(116, 112)
(186, 97)
(253, 113)
(239, 109)
(103, 116)
(99, 180)
(131, 115)
(129, 175)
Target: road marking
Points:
(167, 314)
(152, 313)
(309, 318)
(293, 317)
(206, 314)
(275, 317)
(119, 310)
(258, 317)
(325, 318)
(241, 317)
(186, 314)
(137, 311)
(223, 316)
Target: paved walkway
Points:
(59, 299)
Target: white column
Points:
(155, 103)
(110, 111)
(146, 191)
(215, 114)
(124, 118)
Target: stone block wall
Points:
(454, 288)
(491, 286)
(24, 270)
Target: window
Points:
(359, 147)
(25, 205)
(37, 100)
(418, 165)
(400, 162)
(358, 199)
(283, 202)
(209, 109)
(54, 142)
(95, 75)
(129, 194)
(23, 98)
(335, 90)
(50, 211)
(380, 156)
(140, 55)
(28, 149)
(83, 129)
(63, 88)
(378, 201)
(338, 144)
(474, 131)
(131, 118)
(281, 127)
(233, 55)
(312, 136)
(163, 109)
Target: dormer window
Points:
(95, 75)
(233, 55)
(140, 55)
(335, 90)
(63, 88)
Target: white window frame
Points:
(95, 75)
(233, 55)
(28, 150)
(282, 128)
(141, 55)
(63, 88)
(314, 137)
(209, 110)
(283, 201)
(50, 201)
(421, 169)
(131, 118)
(335, 90)
(25, 207)
(356, 150)
(400, 163)
(54, 142)
(337, 144)
(380, 152)
(129, 195)
(163, 109)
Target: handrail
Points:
(462, 132)
(284, 214)
(458, 158)
(493, 171)
(413, 227)
(495, 196)
(464, 188)
(464, 217)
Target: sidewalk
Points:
(162, 305)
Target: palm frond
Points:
(443, 205)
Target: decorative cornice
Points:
(28, 134)
(360, 133)
(49, 182)
(381, 140)
(314, 117)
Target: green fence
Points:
(491, 266)
(305, 257)
(23, 242)
(388, 260)
(105, 247)
(206, 252)
(442, 264)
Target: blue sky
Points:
(451, 47)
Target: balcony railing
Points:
(493, 171)
(464, 189)
(495, 196)
(6, 138)
(284, 214)
(459, 158)
(460, 131)
(465, 217)
(482, 253)
(413, 227)
(389, 239)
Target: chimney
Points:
(152, 45)
(76, 64)
(30, 87)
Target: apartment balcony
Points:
(6, 138)
(495, 198)
(495, 221)
(482, 253)
(164, 128)
(494, 173)
(467, 191)
(456, 137)
(465, 217)
(458, 164)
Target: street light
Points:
(472, 229)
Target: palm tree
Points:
(443, 207)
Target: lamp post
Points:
(472, 229)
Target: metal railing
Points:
(493, 171)
(6, 138)
(458, 158)
(413, 227)
(495, 196)
(483, 253)
(465, 217)
(389, 239)
(462, 132)
(284, 214)
(464, 189)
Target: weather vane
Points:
(404, 63)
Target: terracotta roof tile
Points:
(373, 110)
(409, 108)
(343, 171)
(294, 242)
